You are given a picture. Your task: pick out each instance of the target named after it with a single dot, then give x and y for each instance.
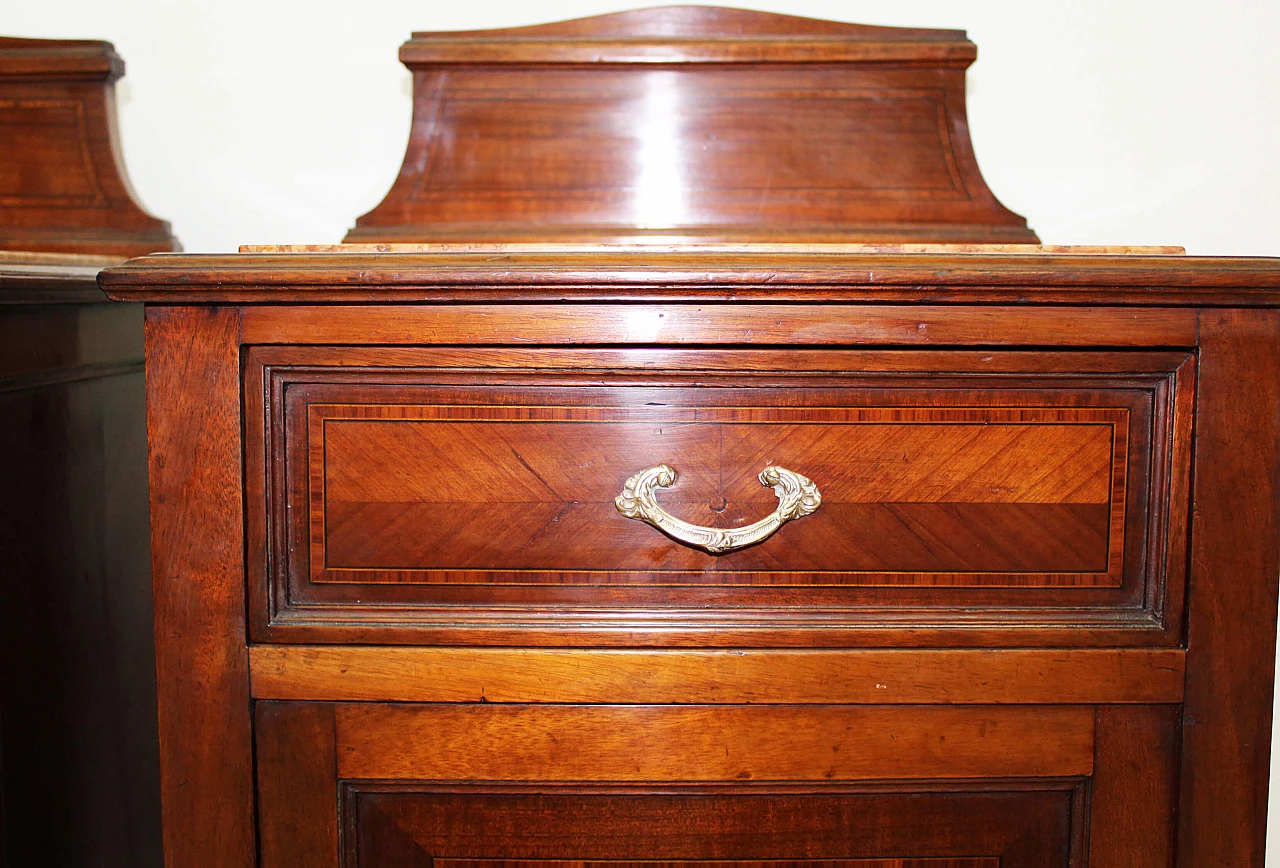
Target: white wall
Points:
(1101, 121)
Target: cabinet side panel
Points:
(1232, 608)
(198, 566)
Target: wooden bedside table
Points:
(401, 618)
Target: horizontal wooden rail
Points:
(710, 743)
(806, 325)
(854, 677)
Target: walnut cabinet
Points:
(403, 618)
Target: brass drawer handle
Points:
(797, 496)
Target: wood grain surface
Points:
(705, 276)
(576, 131)
(802, 326)
(401, 483)
(822, 824)
(197, 546)
(63, 185)
(398, 488)
(814, 246)
(1235, 557)
(1027, 826)
(703, 743)
(1134, 793)
(865, 676)
(297, 790)
(1074, 751)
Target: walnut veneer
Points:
(690, 123)
(63, 185)
(402, 621)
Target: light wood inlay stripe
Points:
(711, 743)
(556, 675)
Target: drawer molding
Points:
(625, 676)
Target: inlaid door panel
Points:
(405, 492)
(391, 805)
(393, 828)
(366, 784)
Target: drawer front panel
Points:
(398, 491)
(969, 495)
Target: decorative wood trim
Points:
(811, 246)
(52, 278)
(206, 742)
(859, 677)
(712, 324)
(711, 743)
(66, 188)
(1235, 557)
(500, 364)
(668, 51)
(691, 34)
(704, 276)
(1062, 425)
(885, 153)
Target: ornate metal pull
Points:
(797, 496)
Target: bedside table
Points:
(1012, 603)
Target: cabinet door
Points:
(510, 786)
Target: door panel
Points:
(370, 785)
(709, 829)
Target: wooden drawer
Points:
(405, 495)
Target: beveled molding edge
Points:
(718, 677)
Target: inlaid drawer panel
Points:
(428, 490)
(950, 496)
